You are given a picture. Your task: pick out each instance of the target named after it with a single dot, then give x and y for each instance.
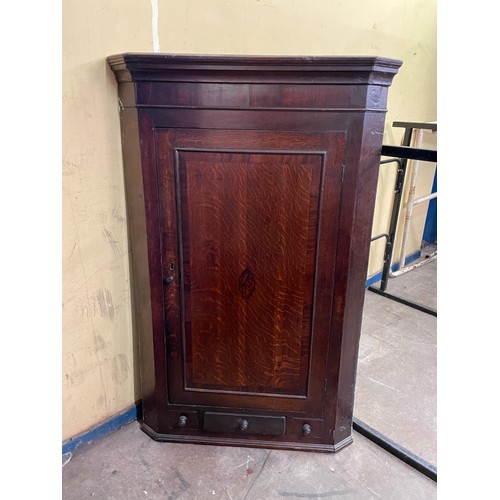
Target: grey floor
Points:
(395, 394)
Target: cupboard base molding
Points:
(252, 443)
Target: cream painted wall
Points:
(98, 370)
(99, 374)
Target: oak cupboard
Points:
(250, 191)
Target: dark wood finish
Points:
(225, 423)
(250, 190)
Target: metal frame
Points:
(401, 155)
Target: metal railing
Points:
(401, 155)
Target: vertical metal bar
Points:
(398, 195)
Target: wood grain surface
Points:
(249, 229)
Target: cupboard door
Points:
(249, 224)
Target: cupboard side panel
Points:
(153, 337)
(358, 200)
(139, 263)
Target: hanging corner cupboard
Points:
(250, 186)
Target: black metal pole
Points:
(411, 153)
(398, 195)
(415, 305)
(395, 449)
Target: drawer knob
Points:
(244, 425)
(183, 421)
(306, 429)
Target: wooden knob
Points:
(306, 429)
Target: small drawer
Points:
(229, 423)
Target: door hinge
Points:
(343, 170)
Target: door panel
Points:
(249, 231)
(255, 230)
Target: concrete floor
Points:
(395, 394)
(396, 385)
